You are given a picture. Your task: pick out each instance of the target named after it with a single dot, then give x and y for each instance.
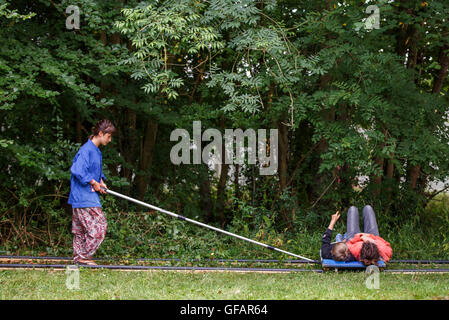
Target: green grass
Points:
(113, 284)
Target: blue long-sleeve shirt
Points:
(87, 165)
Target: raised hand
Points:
(336, 216)
(334, 219)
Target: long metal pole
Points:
(202, 224)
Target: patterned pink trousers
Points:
(89, 229)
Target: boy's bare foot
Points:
(87, 262)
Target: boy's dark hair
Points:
(104, 126)
(369, 254)
(340, 251)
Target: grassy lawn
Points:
(113, 284)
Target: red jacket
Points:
(355, 246)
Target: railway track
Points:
(51, 262)
(162, 268)
(27, 262)
(286, 261)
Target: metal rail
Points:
(180, 268)
(165, 259)
(187, 268)
(215, 260)
(171, 268)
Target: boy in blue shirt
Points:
(88, 221)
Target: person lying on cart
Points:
(336, 251)
(367, 247)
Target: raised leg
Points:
(352, 223)
(369, 221)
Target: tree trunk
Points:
(414, 174)
(129, 145)
(206, 204)
(236, 180)
(221, 192)
(283, 165)
(142, 178)
(283, 155)
(441, 76)
(390, 176)
(221, 188)
(377, 180)
(327, 116)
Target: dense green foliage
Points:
(361, 114)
